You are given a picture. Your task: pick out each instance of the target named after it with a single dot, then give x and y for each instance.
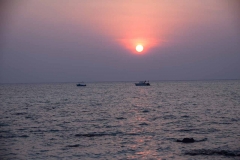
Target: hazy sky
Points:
(95, 40)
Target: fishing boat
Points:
(143, 83)
(81, 84)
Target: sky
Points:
(45, 41)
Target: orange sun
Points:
(139, 48)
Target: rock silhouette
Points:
(186, 140)
(213, 152)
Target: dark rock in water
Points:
(191, 140)
(186, 140)
(143, 124)
(75, 145)
(21, 113)
(24, 136)
(212, 152)
(87, 135)
(91, 135)
(120, 118)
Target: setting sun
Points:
(139, 48)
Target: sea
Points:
(121, 121)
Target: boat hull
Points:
(81, 85)
(146, 84)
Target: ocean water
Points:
(119, 120)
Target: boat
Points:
(143, 83)
(81, 84)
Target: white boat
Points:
(143, 83)
(81, 84)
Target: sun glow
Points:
(139, 48)
(140, 26)
(145, 44)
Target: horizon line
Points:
(119, 81)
